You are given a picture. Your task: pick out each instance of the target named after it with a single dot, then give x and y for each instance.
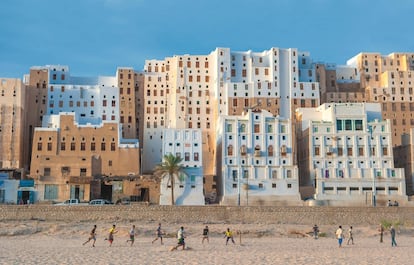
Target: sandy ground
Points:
(36, 242)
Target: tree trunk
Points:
(172, 189)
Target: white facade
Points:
(188, 189)
(92, 99)
(257, 160)
(155, 114)
(350, 153)
(197, 89)
(283, 74)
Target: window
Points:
(196, 156)
(317, 151)
(46, 171)
(102, 146)
(62, 146)
(270, 150)
(39, 146)
(49, 146)
(243, 150)
(243, 128)
(340, 151)
(339, 125)
(230, 150)
(257, 128)
(65, 170)
(235, 102)
(93, 148)
(348, 125)
(385, 151)
(234, 175)
(112, 146)
(187, 156)
(358, 125)
(72, 146)
(269, 128)
(83, 146)
(349, 151)
(372, 151)
(360, 151)
(82, 172)
(229, 127)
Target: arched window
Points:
(243, 128)
(257, 150)
(243, 150)
(230, 150)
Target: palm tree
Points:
(170, 166)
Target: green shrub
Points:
(323, 234)
(387, 224)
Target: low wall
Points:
(210, 214)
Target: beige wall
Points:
(35, 108)
(12, 114)
(388, 80)
(356, 216)
(66, 165)
(130, 85)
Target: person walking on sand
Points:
(205, 235)
(110, 238)
(132, 235)
(392, 232)
(92, 236)
(339, 235)
(381, 230)
(350, 235)
(158, 234)
(229, 235)
(315, 231)
(180, 238)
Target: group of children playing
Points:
(159, 235)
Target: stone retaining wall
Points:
(210, 214)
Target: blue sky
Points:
(94, 37)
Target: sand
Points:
(36, 242)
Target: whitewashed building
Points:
(193, 91)
(345, 152)
(257, 164)
(92, 99)
(188, 188)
